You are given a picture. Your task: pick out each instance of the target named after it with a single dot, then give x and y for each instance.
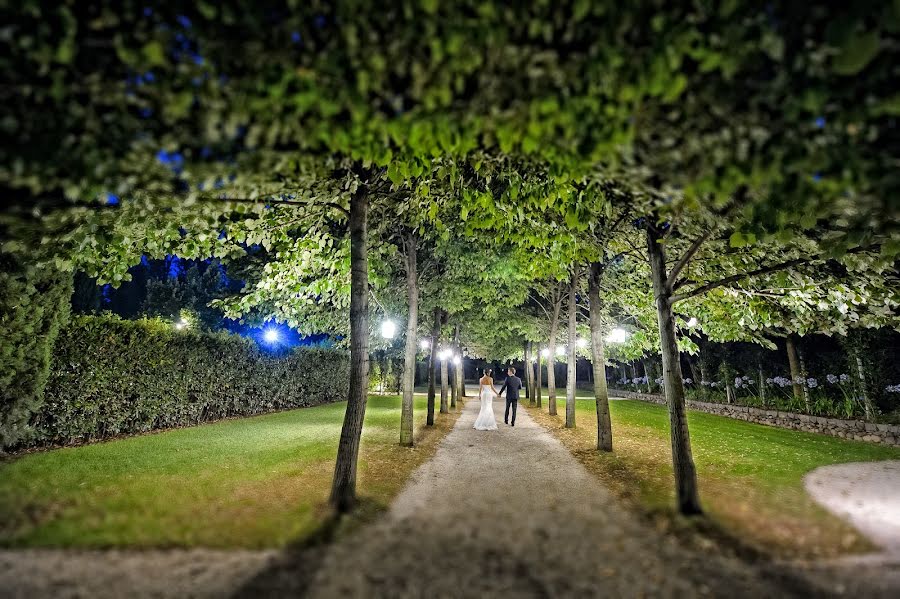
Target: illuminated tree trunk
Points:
(343, 490)
(539, 383)
(551, 359)
(529, 373)
(794, 363)
(598, 362)
(457, 369)
(863, 391)
(412, 326)
(572, 349)
(687, 495)
(432, 365)
(445, 387)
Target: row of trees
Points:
(472, 162)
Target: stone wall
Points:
(857, 430)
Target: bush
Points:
(113, 377)
(34, 305)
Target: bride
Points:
(485, 420)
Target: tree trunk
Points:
(539, 383)
(343, 489)
(445, 387)
(794, 363)
(572, 349)
(803, 372)
(457, 368)
(762, 386)
(649, 374)
(863, 392)
(412, 326)
(551, 359)
(598, 362)
(683, 462)
(529, 374)
(432, 365)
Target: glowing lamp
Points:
(545, 353)
(388, 329)
(617, 335)
(425, 344)
(561, 350)
(271, 335)
(692, 322)
(582, 343)
(457, 360)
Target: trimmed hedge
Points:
(117, 377)
(34, 304)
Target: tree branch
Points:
(734, 278)
(685, 258)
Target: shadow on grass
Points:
(293, 571)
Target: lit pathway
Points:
(867, 494)
(512, 514)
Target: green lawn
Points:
(252, 482)
(750, 475)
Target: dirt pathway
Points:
(508, 513)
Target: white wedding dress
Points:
(485, 420)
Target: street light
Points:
(581, 343)
(692, 322)
(457, 360)
(617, 335)
(545, 352)
(271, 335)
(182, 324)
(561, 350)
(444, 354)
(388, 329)
(425, 344)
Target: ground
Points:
(251, 482)
(509, 512)
(751, 476)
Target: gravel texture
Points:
(867, 494)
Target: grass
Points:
(252, 482)
(750, 475)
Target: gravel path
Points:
(509, 513)
(865, 493)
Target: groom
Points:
(512, 384)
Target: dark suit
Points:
(511, 385)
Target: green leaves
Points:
(856, 52)
(154, 53)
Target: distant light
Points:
(820, 122)
(444, 354)
(545, 352)
(617, 335)
(692, 322)
(581, 343)
(425, 344)
(182, 324)
(271, 335)
(457, 360)
(561, 350)
(388, 329)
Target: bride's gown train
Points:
(485, 420)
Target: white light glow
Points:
(444, 354)
(272, 335)
(388, 329)
(457, 360)
(545, 352)
(182, 324)
(692, 322)
(425, 344)
(582, 343)
(561, 350)
(617, 335)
